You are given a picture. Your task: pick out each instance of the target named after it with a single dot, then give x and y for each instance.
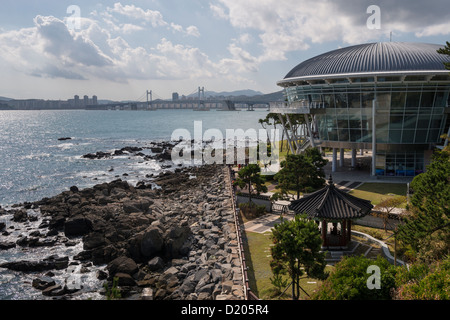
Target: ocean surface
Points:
(34, 164)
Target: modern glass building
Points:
(392, 98)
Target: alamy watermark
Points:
(374, 280)
(74, 20)
(236, 147)
(374, 21)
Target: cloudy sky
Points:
(119, 49)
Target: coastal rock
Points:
(43, 282)
(122, 265)
(50, 263)
(7, 245)
(155, 264)
(77, 226)
(152, 242)
(177, 238)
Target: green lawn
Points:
(377, 192)
(258, 257)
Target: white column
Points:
(341, 160)
(353, 158)
(333, 163)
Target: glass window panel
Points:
(395, 136)
(366, 136)
(382, 136)
(412, 100)
(396, 121)
(423, 121)
(408, 136)
(390, 168)
(366, 99)
(398, 101)
(333, 135)
(355, 135)
(343, 135)
(354, 100)
(427, 99)
(434, 135)
(383, 101)
(329, 101)
(436, 122)
(441, 98)
(341, 100)
(410, 121)
(421, 136)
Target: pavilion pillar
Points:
(349, 231)
(324, 233)
(343, 233)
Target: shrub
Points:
(349, 280)
(251, 210)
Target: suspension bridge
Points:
(199, 102)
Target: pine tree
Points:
(446, 50)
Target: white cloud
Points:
(155, 18)
(439, 29)
(294, 25)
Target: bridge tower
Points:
(149, 100)
(201, 100)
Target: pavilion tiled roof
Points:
(332, 204)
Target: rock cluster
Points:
(174, 242)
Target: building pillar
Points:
(333, 163)
(353, 158)
(342, 157)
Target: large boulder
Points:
(77, 226)
(122, 264)
(176, 241)
(152, 242)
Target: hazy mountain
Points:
(237, 93)
(5, 99)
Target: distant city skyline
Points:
(120, 49)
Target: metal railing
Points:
(248, 294)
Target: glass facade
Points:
(399, 164)
(407, 113)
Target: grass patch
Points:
(377, 192)
(258, 257)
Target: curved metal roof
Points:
(372, 58)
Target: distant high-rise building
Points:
(175, 96)
(94, 100)
(86, 100)
(76, 101)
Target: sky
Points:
(120, 49)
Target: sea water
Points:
(34, 164)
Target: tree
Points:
(296, 251)
(445, 50)
(386, 206)
(249, 176)
(350, 277)
(300, 173)
(427, 228)
(424, 282)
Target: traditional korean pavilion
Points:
(334, 210)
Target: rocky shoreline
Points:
(173, 242)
